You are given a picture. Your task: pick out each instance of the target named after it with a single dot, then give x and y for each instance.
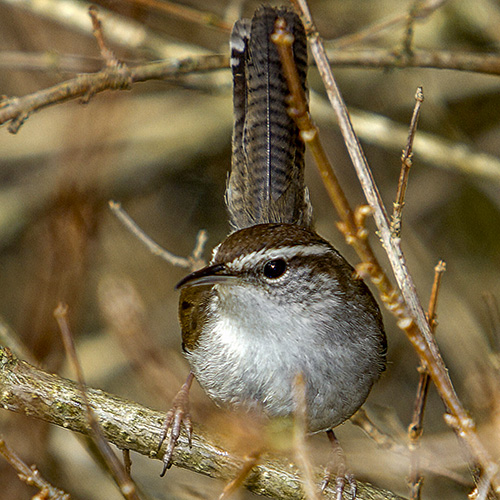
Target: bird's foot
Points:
(177, 417)
(337, 468)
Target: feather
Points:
(266, 183)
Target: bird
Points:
(276, 300)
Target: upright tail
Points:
(266, 183)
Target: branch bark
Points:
(35, 393)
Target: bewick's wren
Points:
(277, 299)
(283, 302)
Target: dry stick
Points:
(351, 224)
(118, 471)
(412, 317)
(17, 109)
(193, 262)
(31, 475)
(488, 63)
(238, 481)
(406, 163)
(416, 426)
(409, 24)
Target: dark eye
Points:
(274, 268)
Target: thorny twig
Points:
(406, 163)
(410, 315)
(118, 471)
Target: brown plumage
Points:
(266, 183)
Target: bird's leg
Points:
(337, 467)
(177, 416)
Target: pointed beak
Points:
(210, 275)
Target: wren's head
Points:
(280, 267)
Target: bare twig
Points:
(487, 63)
(237, 482)
(387, 442)
(409, 26)
(28, 390)
(118, 471)
(416, 426)
(193, 262)
(411, 318)
(31, 475)
(17, 109)
(384, 441)
(441, 153)
(406, 163)
(106, 53)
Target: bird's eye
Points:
(274, 268)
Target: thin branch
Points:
(412, 320)
(487, 63)
(26, 389)
(406, 163)
(106, 53)
(17, 109)
(416, 426)
(31, 475)
(118, 471)
(385, 441)
(193, 262)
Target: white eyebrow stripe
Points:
(284, 252)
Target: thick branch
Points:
(26, 389)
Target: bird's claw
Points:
(177, 417)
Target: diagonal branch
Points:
(414, 322)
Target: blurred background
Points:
(163, 150)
